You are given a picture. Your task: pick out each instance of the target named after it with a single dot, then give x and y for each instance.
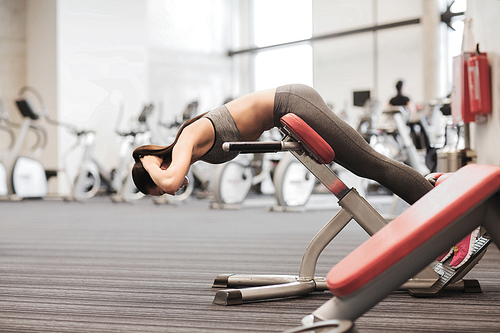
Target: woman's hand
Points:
(185, 182)
(151, 160)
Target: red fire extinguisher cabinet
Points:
(479, 82)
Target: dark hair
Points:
(399, 86)
(140, 176)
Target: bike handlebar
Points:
(170, 125)
(131, 133)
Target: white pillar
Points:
(41, 69)
(431, 49)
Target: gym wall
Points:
(187, 53)
(485, 27)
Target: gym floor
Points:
(104, 267)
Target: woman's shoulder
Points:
(200, 135)
(199, 128)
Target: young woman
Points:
(160, 170)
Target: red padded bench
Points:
(311, 140)
(467, 199)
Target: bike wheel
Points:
(185, 192)
(129, 192)
(3, 180)
(87, 183)
(231, 183)
(293, 182)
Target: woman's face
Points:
(157, 191)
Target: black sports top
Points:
(225, 131)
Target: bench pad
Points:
(431, 214)
(323, 152)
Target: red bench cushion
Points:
(432, 213)
(308, 136)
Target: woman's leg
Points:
(351, 150)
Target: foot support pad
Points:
(448, 274)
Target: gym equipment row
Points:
(428, 141)
(22, 175)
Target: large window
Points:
(277, 22)
(455, 37)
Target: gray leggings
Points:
(351, 150)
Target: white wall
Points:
(485, 23)
(189, 41)
(117, 53)
(102, 66)
(12, 57)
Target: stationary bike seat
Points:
(25, 108)
(313, 143)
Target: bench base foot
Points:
(228, 297)
(251, 294)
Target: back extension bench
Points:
(468, 199)
(315, 154)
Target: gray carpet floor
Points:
(104, 267)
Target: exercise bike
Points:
(397, 139)
(279, 174)
(139, 136)
(232, 181)
(92, 175)
(393, 138)
(26, 174)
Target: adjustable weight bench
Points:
(466, 200)
(315, 154)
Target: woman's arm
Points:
(170, 177)
(194, 141)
